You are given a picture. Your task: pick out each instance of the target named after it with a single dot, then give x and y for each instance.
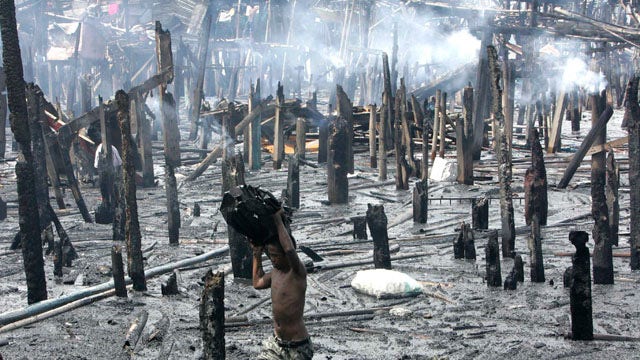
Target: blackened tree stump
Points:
(377, 221)
(480, 213)
(420, 201)
(117, 271)
(535, 184)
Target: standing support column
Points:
(480, 213)
(338, 163)
(436, 124)
(382, 146)
(117, 269)
(3, 113)
(481, 103)
(255, 131)
(135, 266)
(373, 160)
(212, 316)
(573, 110)
(293, 181)
(144, 138)
(301, 137)
(581, 311)
(443, 124)
(632, 120)
(492, 257)
(377, 221)
(556, 125)
(464, 139)
(602, 252)
(278, 130)
(344, 109)
(198, 94)
(504, 158)
(420, 201)
(27, 205)
(323, 140)
(613, 204)
(171, 135)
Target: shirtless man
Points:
(288, 283)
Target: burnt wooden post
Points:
(382, 146)
(255, 131)
(480, 213)
(556, 125)
(117, 270)
(482, 93)
(519, 266)
(293, 181)
(170, 287)
(411, 167)
(278, 129)
(399, 153)
(301, 137)
(573, 110)
(602, 252)
(510, 282)
(387, 102)
(377, 221)
(338, 162)
(144, 138)
(85, 94)
(197, 94)
(458, 244)
(170, 134)
(344, 109)
(535, 250)
(443, 124)
(508, 84)
(436, 124)
(420, 201)
(588, 140)
(212, 316)
(31, 242)
(469, 242)
(632, 121)
(135, 266)
(359, 227)
(535, 184)
(464, 139)
(373, 160)
(3, 113)
(613, 204)
(323, 140)
(581, 311)
(504, 158)
(492, 258)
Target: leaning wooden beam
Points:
(28, 208)
(9, 320)
(586, 144)
(609, 146)
(556, 125)
(632, 119)
(217, 151)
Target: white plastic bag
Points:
(384, 284)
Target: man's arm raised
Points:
(287, 245)
(260, 280)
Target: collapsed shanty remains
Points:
(437, 126)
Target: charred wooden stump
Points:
(567, 277)
(458, 244)
(135, 266)
(212, 316)
(344, 109)
(480, 213)
(602, 252)
(420, 201)
(27, 204)
(464, 139)
(613, 204)
(323, 141)
(3, 209)
(581, 311)
(58, 261)
(293, 181)
(373, 159)
(511, 282)
(492, 255)
(632, 121)
(301, 137)
(535, 184)
(535, 250)
(518, 265)
(170, 287)
(503, 152)
(377, 221)
(469, 242)
(117, 270)
(359, 227)
(196, 209)
(338, 163)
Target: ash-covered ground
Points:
(457, 317)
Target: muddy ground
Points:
(457, 317)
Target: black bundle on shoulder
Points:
(249, 211)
